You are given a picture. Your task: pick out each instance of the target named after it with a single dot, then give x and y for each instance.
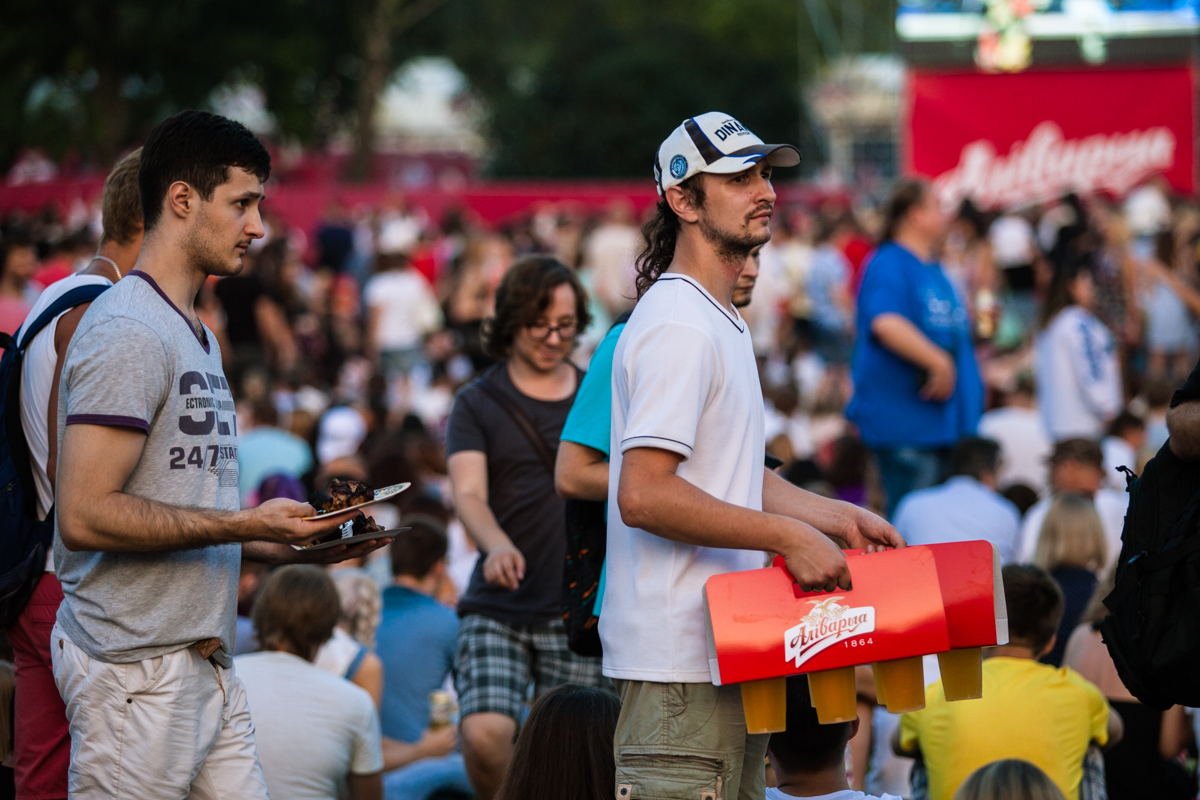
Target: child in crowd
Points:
(1072, 549)
(809, 759)
(1030, 711)
(565, 748)
(1010, 779)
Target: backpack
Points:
(24, 539)
(1153, 632)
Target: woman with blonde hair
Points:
(1071, 547)
(1010, 779)
(350, 651)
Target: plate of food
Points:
(359, 529)
(346, 496)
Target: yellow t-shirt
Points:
(1030, 711)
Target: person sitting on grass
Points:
(809, 759)
(565, 748)
(1030, 711)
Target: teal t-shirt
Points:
(590, 420)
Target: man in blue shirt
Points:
(415, 641)
(964, 508)
(917, 388)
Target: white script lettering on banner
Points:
(1046, 166)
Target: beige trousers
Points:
(174, 727)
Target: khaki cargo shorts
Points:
(686, 741)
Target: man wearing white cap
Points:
(687, 473)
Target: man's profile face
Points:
(744, 287)
(225, 225)
(737, 210)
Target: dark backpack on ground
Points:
(24, 539)
(1153, 632)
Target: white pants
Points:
(176, 726)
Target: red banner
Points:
(1010, 140)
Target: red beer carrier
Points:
(945, 599)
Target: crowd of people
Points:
(963, 375)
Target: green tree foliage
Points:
(572, 87)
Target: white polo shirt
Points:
(684, 380)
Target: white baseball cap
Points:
(717, 143)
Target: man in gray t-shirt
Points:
(148, 535)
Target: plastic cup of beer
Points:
(880, 691)
(834, 695)
(962, 673)
(765, 705)
(903, 682)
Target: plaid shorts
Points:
(495, 663)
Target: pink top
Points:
(12, 313)
(1088, 655)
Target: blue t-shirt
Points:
(415, 642)
(887, 407)
(590, 420)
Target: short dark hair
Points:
(975, 456)
(15, 237)
(807, 746)
(1035, 605)
(121, 203)
(1079, 449)
(296, 610)
(198, 148)
(565, 748)
(523, 294)
(415, 551)
(1125, 422)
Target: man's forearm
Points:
(122, 522)
(906, 340)
(676, 509)
(398, 754)
(828, 516)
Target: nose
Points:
(254, 225)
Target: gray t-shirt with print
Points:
(137, 362)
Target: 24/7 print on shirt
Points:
(222, 459)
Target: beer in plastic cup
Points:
(765, 704)
(903, 682)
(442, 709)
(962, 673)
(880, 692)
(834, 695)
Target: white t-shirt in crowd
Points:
(1078, 377)
(1110, 506)
(1024, 445)
(37, 379)
(848, 794)
(311, 728)
(684, 380)
(1012, 241)
(1117, 453)
(408, 308)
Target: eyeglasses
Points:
(566, 331)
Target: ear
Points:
(181, 199)
(1049, 646)
(680, 203)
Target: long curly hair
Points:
(523, 294)
(659, 235)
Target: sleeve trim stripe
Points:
(111, 420)
(632, 442)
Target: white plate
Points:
(362, 537)
(386, 493)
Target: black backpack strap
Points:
(75, 297)
(524, 423)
